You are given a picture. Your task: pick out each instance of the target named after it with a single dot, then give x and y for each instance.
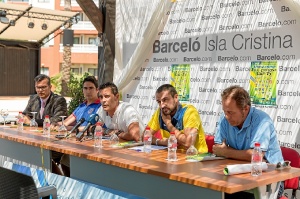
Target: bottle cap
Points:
(20, 112)
(147, 128)
(172, 133)
(257, 144)
(46, 116)
(98, 124)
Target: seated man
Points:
(45, 102)
(119, 117)
(241, 127)
(84, 110)
(172, 116)
(88, 107)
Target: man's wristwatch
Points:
(156, 141)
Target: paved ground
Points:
(14, 104)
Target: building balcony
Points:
(83, 25)
(74, 3)
(81, 48)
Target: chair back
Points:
(210, 142)
(16, 185)
(293, 156)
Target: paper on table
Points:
(127, 144)
(241, 168)
(153, 148)
(202, 157)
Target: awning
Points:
(15, 20)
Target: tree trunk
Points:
(66, 64)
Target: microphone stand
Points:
(80, 135)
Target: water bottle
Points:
(172, 147)
(46, 126)
(98, 135)
(256, 160)
(147, 140)
(20, 121)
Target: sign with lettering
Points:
(223, 43)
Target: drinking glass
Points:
(62, 130)
(33, 123)
(114, 140)
(4, 114)
(192, 149)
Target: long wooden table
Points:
(146, 175)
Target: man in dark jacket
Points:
(45, 102)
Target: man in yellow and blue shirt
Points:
(172, 116)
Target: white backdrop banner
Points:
(215, 44)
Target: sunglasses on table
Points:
(285, 164)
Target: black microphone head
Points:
(76, 126)
(81, 120)
(93, 119)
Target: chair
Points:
(17, 185)
(210, 142)
(293, 156)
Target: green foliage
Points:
(56, 82)
(75, 91)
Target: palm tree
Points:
(66, 64)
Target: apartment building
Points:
(84, 51)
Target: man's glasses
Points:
(285, 164)
(41, 88)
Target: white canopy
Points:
(21, 15)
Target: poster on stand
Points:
(180, 79)
(263, 79)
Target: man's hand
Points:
(26, 119)
(220, 149)
(55, 126)
(166, 119)
(229, 152)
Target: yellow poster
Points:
(180, 79)
(263, 78)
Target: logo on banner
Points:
(263, 78)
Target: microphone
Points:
(93, 119)
(76, 126)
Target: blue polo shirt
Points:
(84, 111)
(258, 127)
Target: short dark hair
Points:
(90, 79)
(111, 85)
(41, 77)
(237, 93)
(167, 87)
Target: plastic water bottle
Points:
(147, 140)
(20, 121)
(98, 135)
(46, 126)
(172, 147)
(256, 160)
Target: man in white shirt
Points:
(119, 117)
